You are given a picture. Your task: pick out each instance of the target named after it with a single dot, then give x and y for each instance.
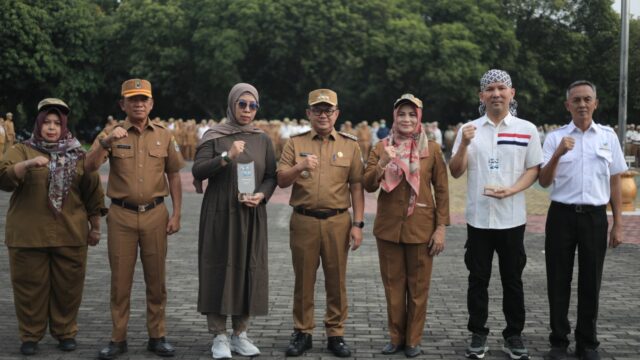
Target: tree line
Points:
(369, 51)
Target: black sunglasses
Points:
(253, 105)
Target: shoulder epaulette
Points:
(347, 135)
(607, 128)
(159, 124)
(559, 128)
(302, 133)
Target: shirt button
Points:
(140, 165)
(140, 180)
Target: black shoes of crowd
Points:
(158, 346)
(409, 351)
(161, 347)
(112, 350)
(300, 342)
(392, 348)
(31, 347)
(338, 347)
(67, 344)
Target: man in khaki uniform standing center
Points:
(326, 170)
(142, 156)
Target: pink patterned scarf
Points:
(410, 148)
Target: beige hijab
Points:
(231, 126)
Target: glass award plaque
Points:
(246, 179)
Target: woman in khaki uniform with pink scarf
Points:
(413, 210)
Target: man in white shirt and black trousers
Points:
(501, 155)
(583, 160)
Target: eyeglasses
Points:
(253, 105)
(319, 111)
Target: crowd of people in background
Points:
(188, 133)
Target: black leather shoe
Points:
(556, 353)
(412, 351)
(587, 354)
(160, 347)
(338, 347)
(67, 344)
(112, 350)
(300, 342)
(391, 348)
(29, 348)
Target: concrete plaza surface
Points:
(445, 335)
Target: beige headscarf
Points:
(231, 126)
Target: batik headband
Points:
(495, 75)
(499, 76)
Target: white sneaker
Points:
(242, 345)
(220, 348)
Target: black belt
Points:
(580, 208)
(318, 214)
(139, 208)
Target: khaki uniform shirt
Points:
(339, 164)
(392, 222)
(30, 222)
(139, 162)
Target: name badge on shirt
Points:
(605, 146)
(494, 164)
(123, 146)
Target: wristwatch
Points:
(105, 145)
(225, 157)
(359, 224)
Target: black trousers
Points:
(509, 244)
(566, 229)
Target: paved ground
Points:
(445, 333)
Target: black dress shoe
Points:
(160, 347)
(391, 348)
(29, 348)
(338, 347)
(112, 350)
(412, 351)
(67, 344)
(300, 342)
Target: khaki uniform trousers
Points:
(47, 287)
(313, 239)
(406, 275)
(128, 230)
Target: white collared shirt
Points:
(498, 156)
(583, 173)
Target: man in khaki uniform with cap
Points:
(140, 153)
(326, 170)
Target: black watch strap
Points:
(359, 224)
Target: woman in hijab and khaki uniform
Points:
(54, 212)
(413, 210)
(232, 245)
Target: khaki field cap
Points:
(133, 87)
(405, 98)
(53, 102)
(323, 96)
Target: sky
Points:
(634, 7)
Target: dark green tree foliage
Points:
(370, 52)
(49, 48)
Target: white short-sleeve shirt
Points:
(498, 156)
(583, 173)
